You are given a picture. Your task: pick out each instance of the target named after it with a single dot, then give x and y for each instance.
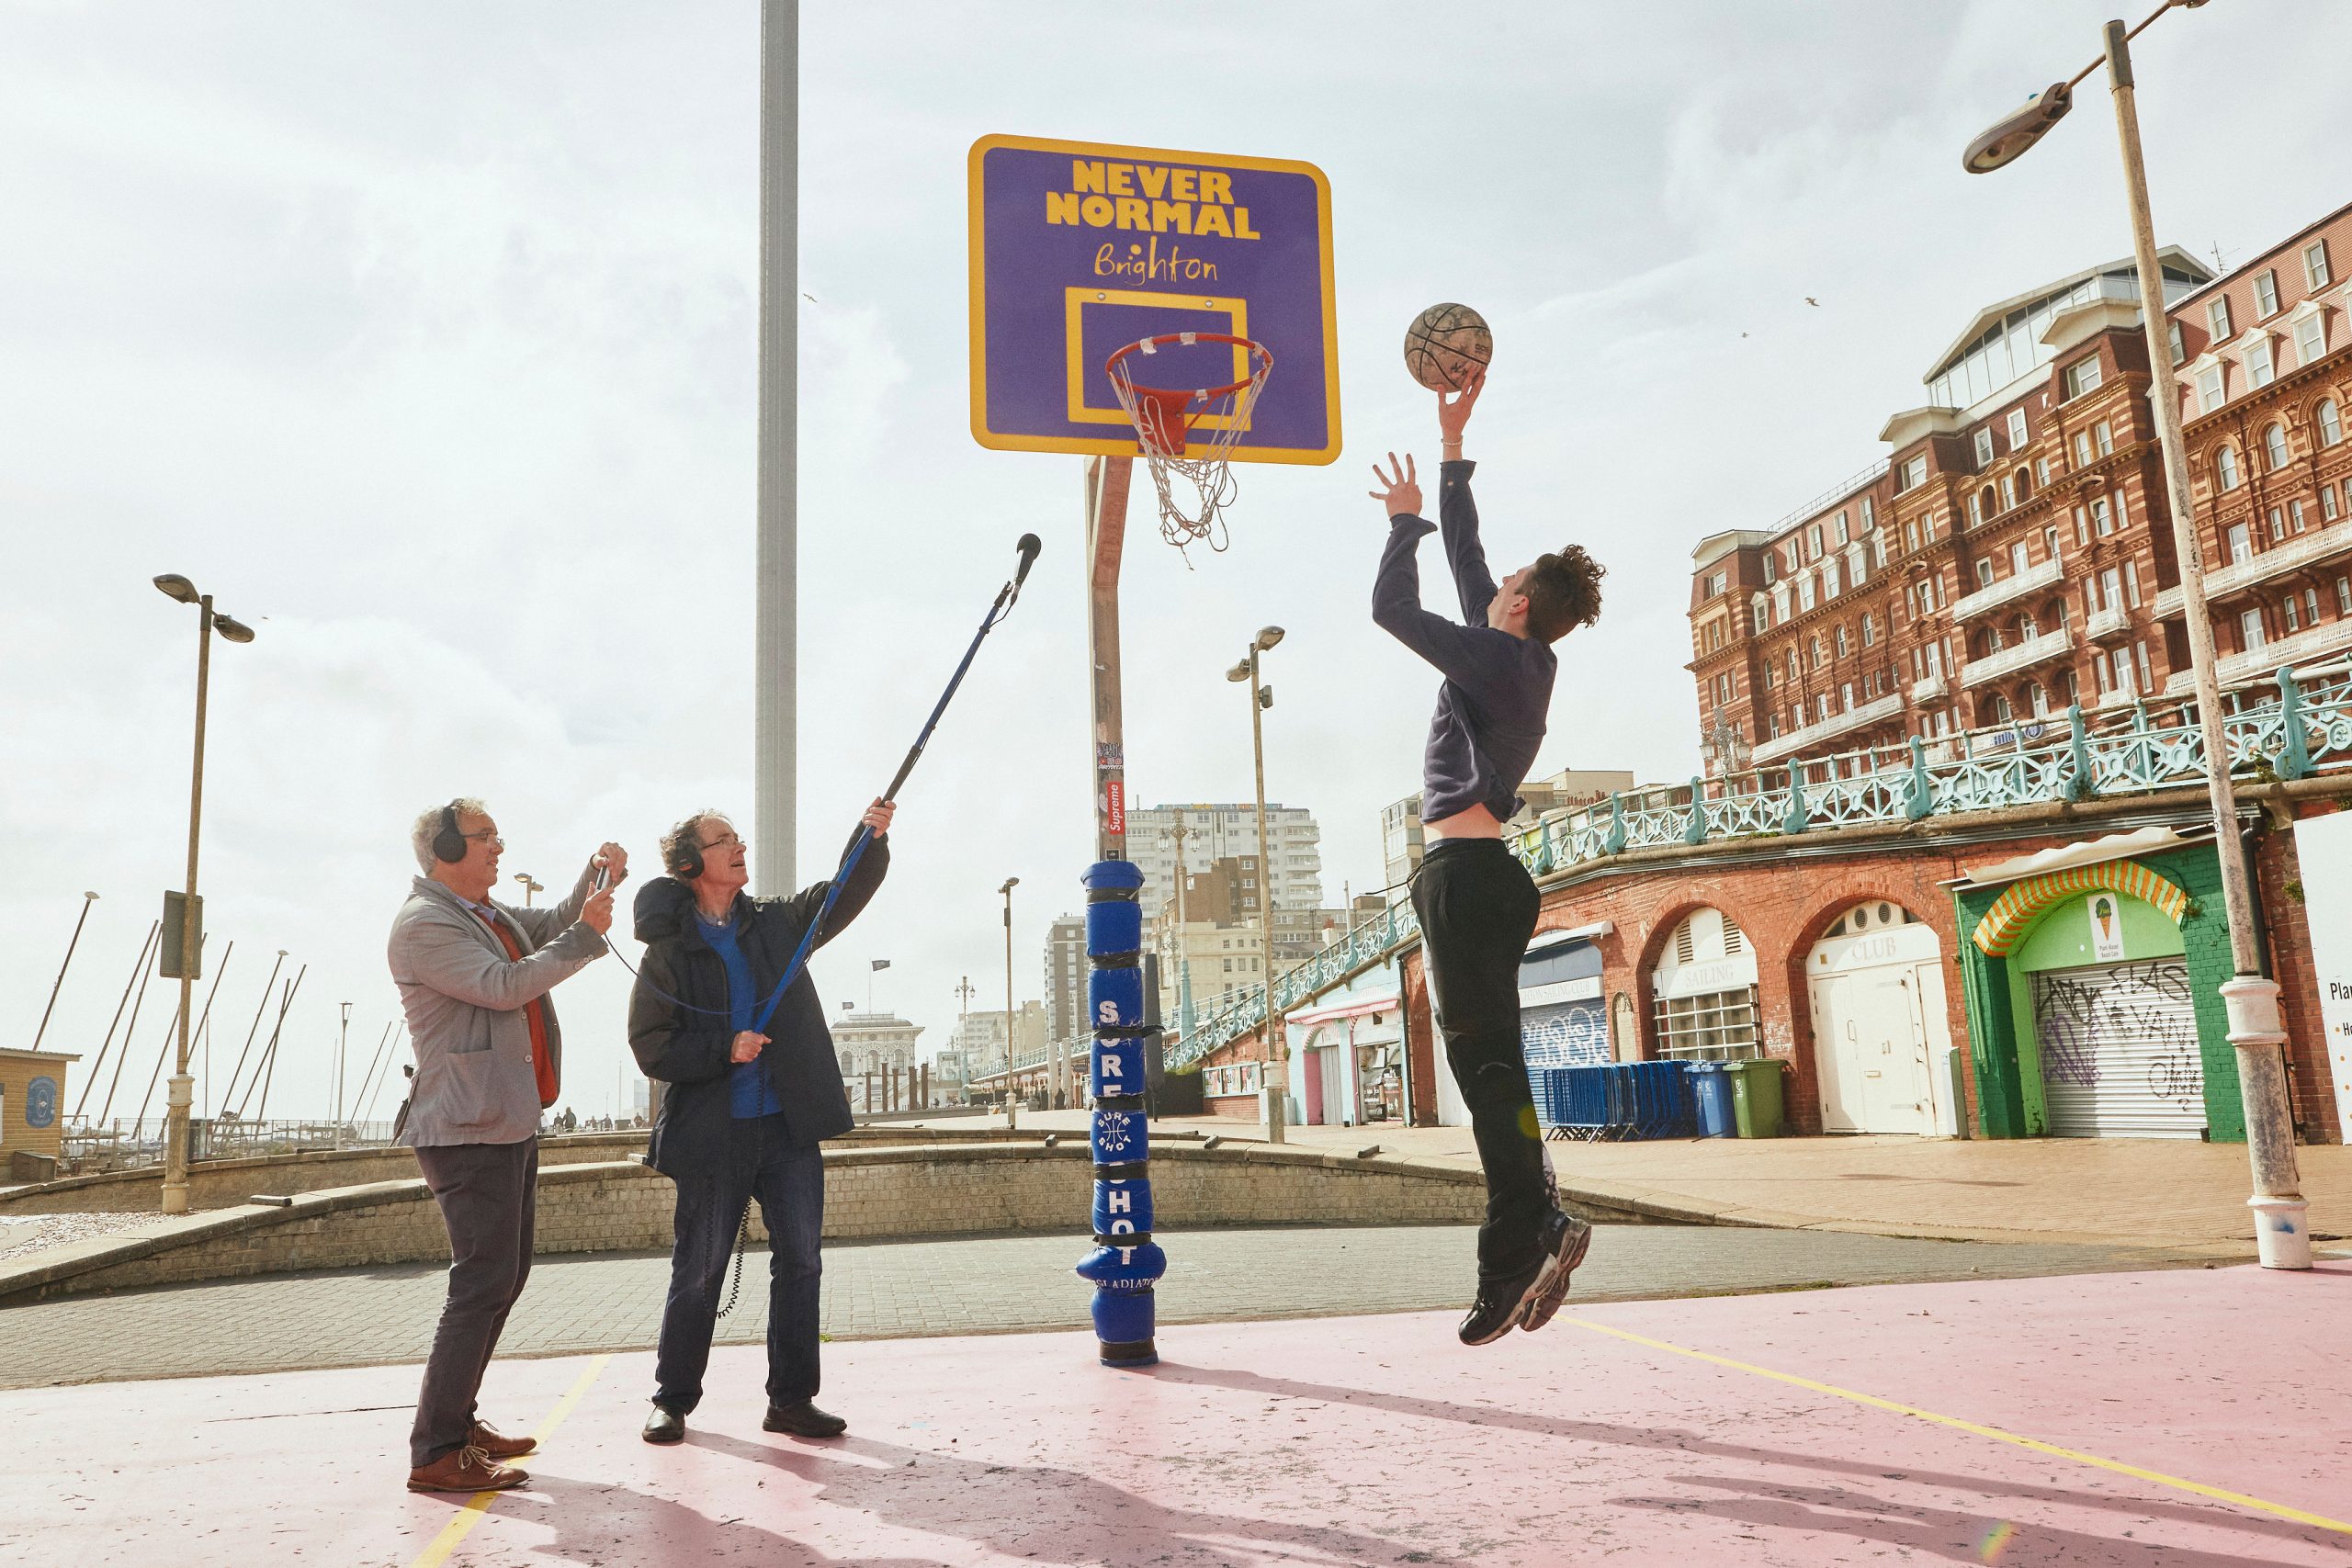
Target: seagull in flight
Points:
(1811, 301)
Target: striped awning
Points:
(2014, 911)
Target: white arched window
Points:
(1838, 638)
(2274, 447)
(2225, 467)
(1869, 629)
(2330, 422)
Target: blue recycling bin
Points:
(1711, 1096)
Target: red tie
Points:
(535, 1013)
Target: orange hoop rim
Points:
(1264, 363)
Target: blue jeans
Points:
(789, 1182)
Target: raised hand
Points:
(597, 914)
(878, 816)
(1401, 491)
(1454, 412)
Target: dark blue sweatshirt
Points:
(1497, 695)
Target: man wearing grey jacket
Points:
(474, 976)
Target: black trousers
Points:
(488, 1194)
(789, 1180)
(1477, 906)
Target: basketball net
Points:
(1187, 436)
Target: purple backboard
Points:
(1079, 249)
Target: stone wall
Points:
(880, 1193)
(224, 1183)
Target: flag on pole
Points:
(881, 963)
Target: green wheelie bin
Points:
(1755, 1097)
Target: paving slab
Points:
(2080, 1420)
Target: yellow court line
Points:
(456, 1529)
(1995, 1433)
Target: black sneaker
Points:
(1567, 1239)
(803, 1420)
(1500, 1306)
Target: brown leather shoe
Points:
(465, 1469)
(485, 1437)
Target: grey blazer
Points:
(464, 1000)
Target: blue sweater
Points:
(749, 1092)
(1496, 699)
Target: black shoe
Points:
(803, 1420)
(1565, 1241)
(664, 1426)
(1499, 1306)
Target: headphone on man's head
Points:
(448, 844)
(685, 855)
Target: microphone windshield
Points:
(1028, 547)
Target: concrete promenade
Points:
(2115, 1192)
(2083, 1420)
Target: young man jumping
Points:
(1477, 903)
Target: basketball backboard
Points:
(1078, 249)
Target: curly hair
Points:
(1563, 593)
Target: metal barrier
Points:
(1624, 1099)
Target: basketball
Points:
(1444, 344)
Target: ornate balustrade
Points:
(2148, 746)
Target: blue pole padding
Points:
(1123, 1207)
(1122, 1271)
(1118, 1137)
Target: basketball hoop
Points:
(1187, 436)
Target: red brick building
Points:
(2014, 553)
(2003, 562)
(2263, 363)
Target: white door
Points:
(1452, 1112)
(2119, 1055)
(1336, 1106)
(1878, 1017)
(1873, 1061)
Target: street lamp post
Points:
(342, 1062)
(1011, 1114)
(1261, 697)
(530, 885)
(181, 1092)
(2250, 997)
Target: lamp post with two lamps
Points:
(181, 1092)
(1261, 697)
(2252, 997)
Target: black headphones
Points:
(448, 844)
(685, 855)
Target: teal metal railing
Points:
(2074, 756)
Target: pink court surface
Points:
(2183, 1417)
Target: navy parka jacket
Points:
(690, 1051)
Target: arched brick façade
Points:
(1786, 892)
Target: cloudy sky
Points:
(423, 337)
